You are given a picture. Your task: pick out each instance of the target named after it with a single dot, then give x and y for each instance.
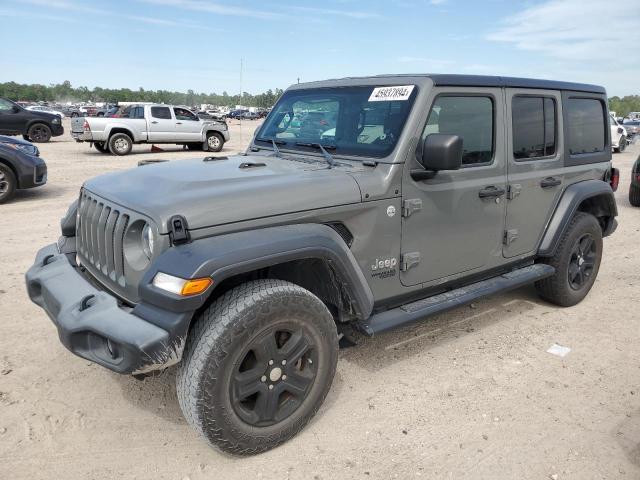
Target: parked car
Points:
(106, 111)
(20, 167)
(632, 127)
(217, 115)
(236, 113)
(634, 188)
(618, 136)
(32, 125)
(249, 116)
(150, 124)
(43, 108)
(72, 111)
(242, 269)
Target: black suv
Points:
(35, 126)
(20, 167)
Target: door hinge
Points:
(408, 260)
(510, 236)
(411, 205)
(178, 230)
(513, 191)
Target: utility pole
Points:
(240, 80)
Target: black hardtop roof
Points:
(440, 79)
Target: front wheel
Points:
(257, 366)
(7, 183)
(39, 133)
(215, 142)
(577, 261)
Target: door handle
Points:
(550, 182)
(178, 123)
(154, 122)
(491, 192)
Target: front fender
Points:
(224, 256)
(600, 195)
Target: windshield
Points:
(361, 121)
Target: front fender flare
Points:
(569, 204)
(224, 256)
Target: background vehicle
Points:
(72, 111)
(632, 127)
(431, 193)
(217, 115)
(618, 136)
(20, 167)
(249, 116)
(106, 111)
(32, 125)
(150, 124)
(42, 108)
(634, 188)
(236, 113)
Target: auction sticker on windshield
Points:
(388, 94)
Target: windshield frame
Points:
(262, 139)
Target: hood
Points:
(44, 115)
(13, 140)
(209, 193)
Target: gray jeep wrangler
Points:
(363, 202)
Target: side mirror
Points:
(439, 152)
(15, 109)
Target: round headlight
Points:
(147, 241)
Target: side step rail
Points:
(411, 312)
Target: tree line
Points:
(622, 106)
(65, 92)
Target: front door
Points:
(11, 121)
(453, 223)
(535, 166)
(188, 125)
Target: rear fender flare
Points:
(569, 204)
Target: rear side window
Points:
(469, 117)
(136, 112)
(161, 112)
(534, 127)
(586, 117)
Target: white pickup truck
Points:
(150, 124)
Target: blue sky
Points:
(198, 44)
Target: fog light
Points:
(181, 286)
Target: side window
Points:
(5, 106)
(136, 112)
(471, 118)
(586, 117)
(184, 114)
(534, 127)
(161, 112)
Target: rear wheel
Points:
(8, 183)
(634, 195)
(577, 261)
(120, 144)
(39, 133)
(215, 142)
(74, 114)
(257, 366)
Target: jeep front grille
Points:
(99, 234)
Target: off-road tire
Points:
(634, 195)
(39, 133)
(8, 183)
(214, 142)
(215, 349)
(101, 147)
(120, 144)
(557, 289)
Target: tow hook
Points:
(84, 304)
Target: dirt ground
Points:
(468, 394)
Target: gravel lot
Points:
(468, 394)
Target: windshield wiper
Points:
(274, 143)
(323, 148)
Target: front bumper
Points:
(101, 331)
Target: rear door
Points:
(162, 126)
(535, 170)
(457, 229)
(188, 125)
